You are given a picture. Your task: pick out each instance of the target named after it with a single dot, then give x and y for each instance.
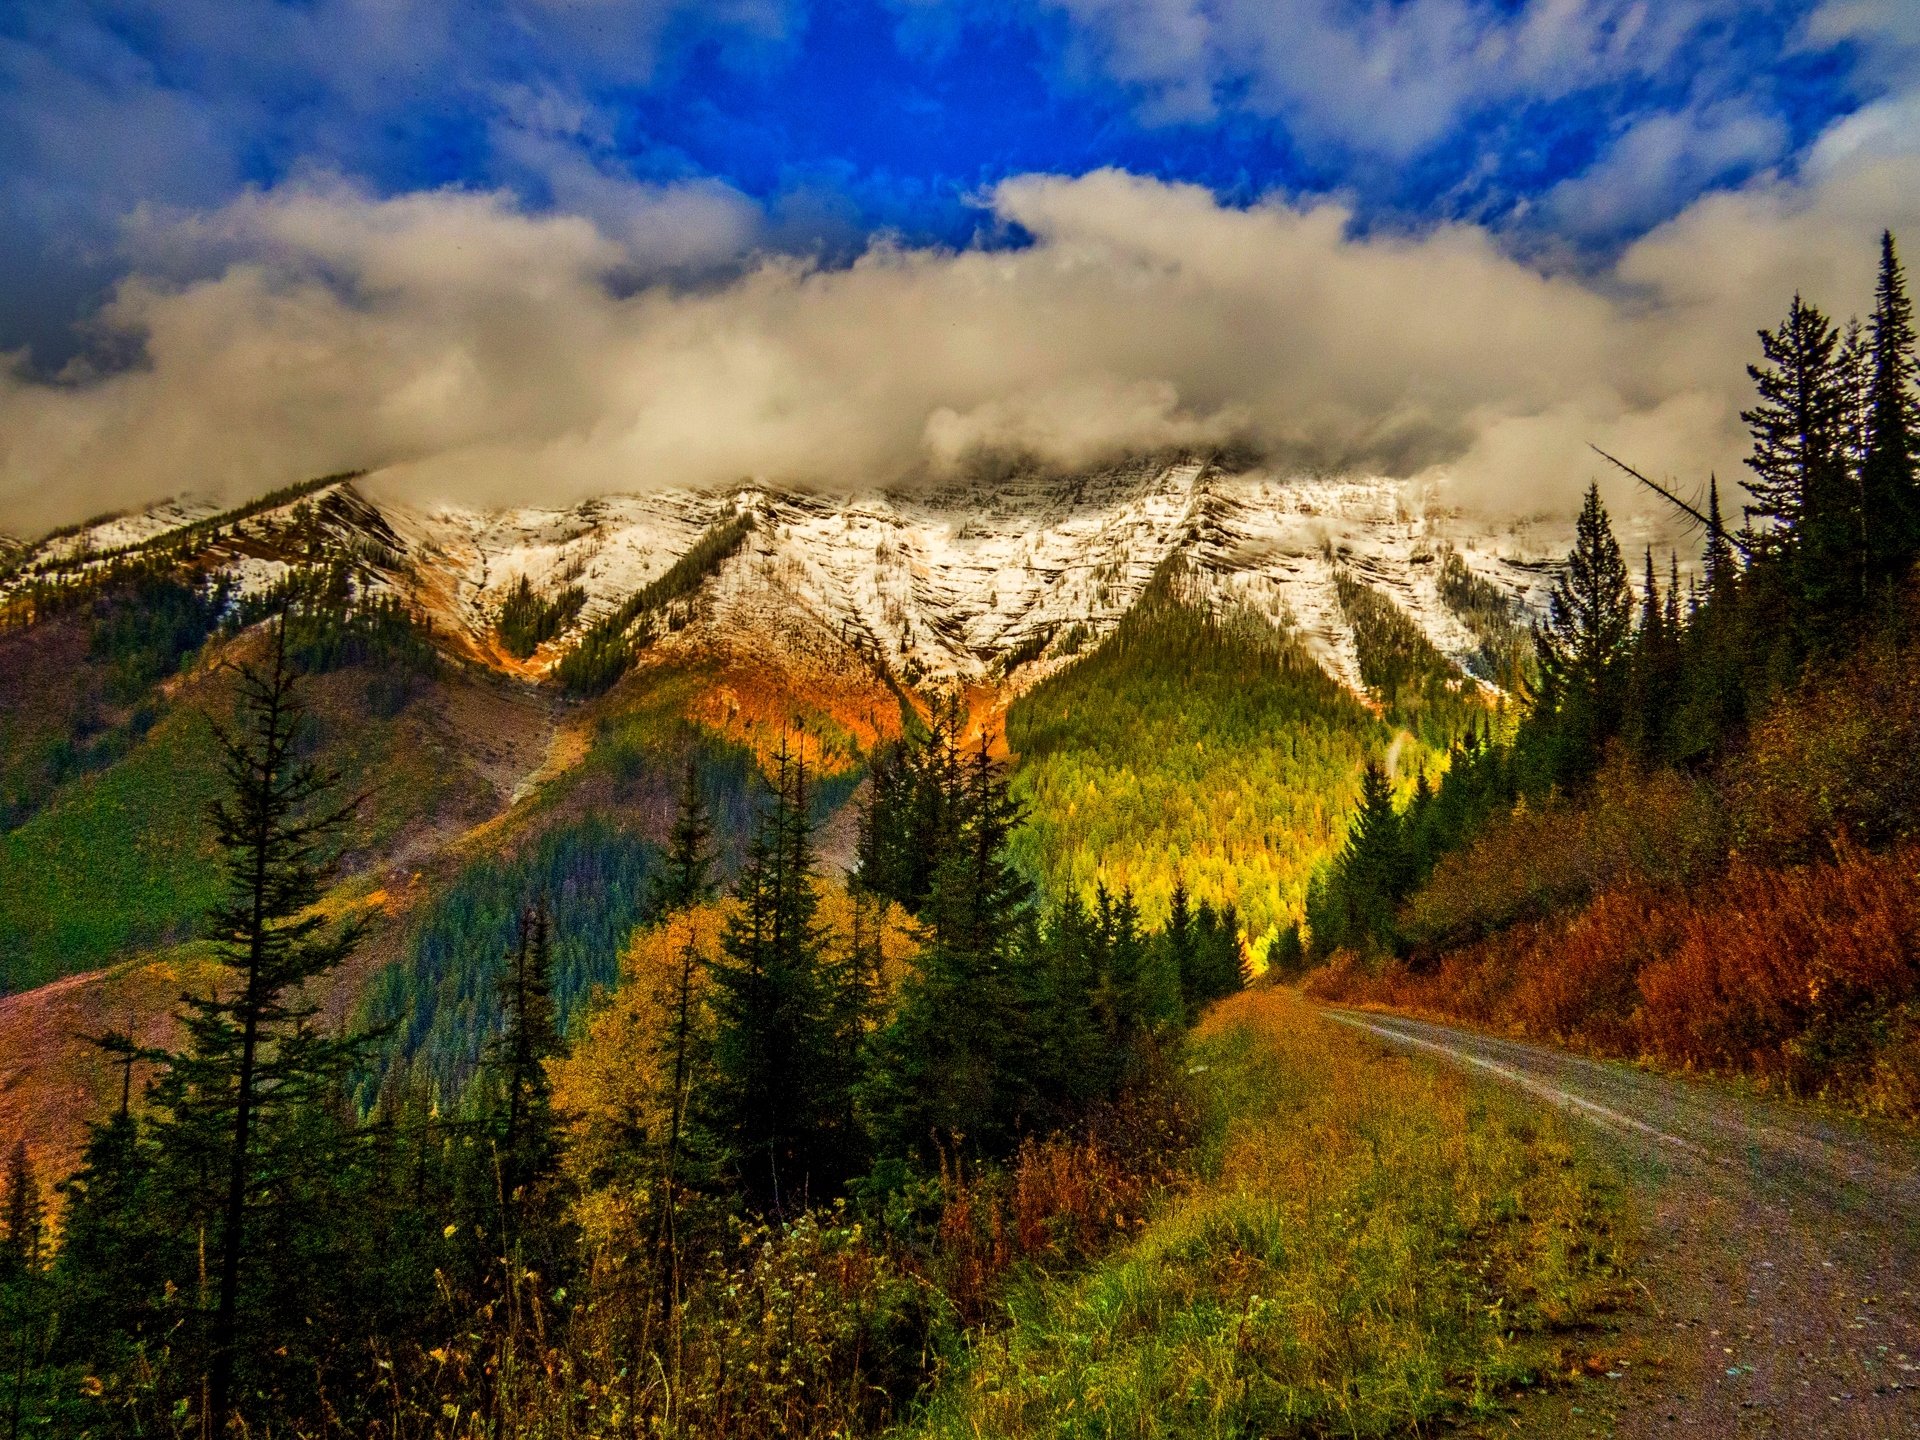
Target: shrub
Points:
(1836, 755)
(1656, 829)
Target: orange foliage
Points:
(1066, 1200)
(1807, 979)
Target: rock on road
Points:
(1780, 1251)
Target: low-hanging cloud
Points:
(477, 351)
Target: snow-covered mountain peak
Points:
(973, 582)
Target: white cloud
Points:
(1378, 77)
(482, 352)
(1658, 163)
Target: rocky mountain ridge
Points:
(976, 584)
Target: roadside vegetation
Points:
(1699, 846)
(1362, 1246)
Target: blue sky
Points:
(494, 246)
(843, 119)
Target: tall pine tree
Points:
(1890, 490)
(1584, 646)
(954, 1067)
(230, 1103)
(774, 1013)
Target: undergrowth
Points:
(1374, 1246)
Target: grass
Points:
(1375, 1246)
(123, 859)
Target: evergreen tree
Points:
(912, 812)
(25, 1216)
(1797, 422)
(683, 1053)
(1890, 491)
(1653, 676)
(1719, 564)
(1182, 946)
(954, 1065)
(1584, 646)
(229, 1103)
(1076, 1064)
(774, 1016)
(684, 878)
(526, 1145)
(114, 1245)
(1352, 906)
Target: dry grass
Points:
(1376, 1245)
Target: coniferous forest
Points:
(700, 1132)
(1697, 843)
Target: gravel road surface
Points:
(1779, 1253)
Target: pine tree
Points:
(1182, 947)
(1890, 491)
(1719, 565)
(954, 1066)
(1652, 676)
(254, 1059)
(684, 878)
(25, 1215)
(683, 1054)
(526, 1143)
(1797, 424)
(1584, 645)
(774, 1012)
(912, 812)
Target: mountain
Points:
(967, 583)
(1189, 661)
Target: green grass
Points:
(1375, 1247)
(124, 860)
(121, 859)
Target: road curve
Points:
(1780, 1248)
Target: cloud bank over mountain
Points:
(621, 331)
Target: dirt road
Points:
(1780, 1253)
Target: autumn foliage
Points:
(1807, 978)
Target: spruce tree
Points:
(526, 1142)
(1719, 565)
(1890, 491)
(1584, 645)
(684, 878)
(25, 1215)
(1797, 424)
(232, 1098)
(774, 1015)
(954, 1066)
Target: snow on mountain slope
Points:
(961, 583)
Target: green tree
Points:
(954, 1066)
(774, 1016)
(524, 1136)
(229, 1101)
(1584, 646)
(685, 875)
(1352, 905)
(1890, 492)
(25, 1216)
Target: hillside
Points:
(744, 621)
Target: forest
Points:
(549, 1218)
(677, 1132)
(1698, 844)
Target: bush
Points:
(1837, 756)
(1636, 828)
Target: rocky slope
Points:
(970, 583)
